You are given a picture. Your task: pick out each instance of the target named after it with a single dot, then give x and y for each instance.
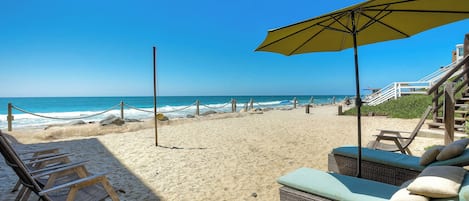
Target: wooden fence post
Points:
(448, 115)
(233, 105)
(294, 102)
(435, 105)
(251, 104)
(122, 109)
(197, 111)
(10, 117)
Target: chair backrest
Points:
(12, 160)
(418, 127)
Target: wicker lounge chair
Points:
(398, 141)
(307, 184)
(67, 183)
(387, 167)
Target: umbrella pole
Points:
(154, 96)
(358, 100)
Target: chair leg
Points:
(21, 193)
(26, 195)
(17, 186)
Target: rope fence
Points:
(247, 106)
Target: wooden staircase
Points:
(454, 84)
(461, 113)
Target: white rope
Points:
(65, 118)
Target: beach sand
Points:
(220, 157)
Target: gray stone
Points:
(76, 122)
(190, 116)
(111, 119)
(132, 120)
(208, 113)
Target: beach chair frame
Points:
(86, 187)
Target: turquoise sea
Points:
(40, 111)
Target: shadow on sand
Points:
(128, 186)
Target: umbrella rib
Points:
(342, 24)
(425, 11)
(374, 18)
(387, 25)
(311, 38)
(296, 32)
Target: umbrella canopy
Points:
(364, 23)
(375, 21)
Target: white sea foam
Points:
(28, 120)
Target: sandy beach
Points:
(220, 157)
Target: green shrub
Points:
(406, 107)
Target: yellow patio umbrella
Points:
(364, 23)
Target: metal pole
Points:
(154, 96)
(358, 101)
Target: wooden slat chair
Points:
(36, 159)
(67, 183)
(399, 142)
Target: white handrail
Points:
(397, 89)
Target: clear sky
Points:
(205, 47)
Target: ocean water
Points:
(41, 111)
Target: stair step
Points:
(461, 105)
(457, 119)
(436, 125)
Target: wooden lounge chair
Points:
(36, 159)
(398, 141)
(67, 183)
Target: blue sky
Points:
(205, 47)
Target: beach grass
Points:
(405, 107)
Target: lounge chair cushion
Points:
(452, 150)
(382, 157)
(336, 186)
(430, 155)
(438, 182)
(405, 195)
(397, 159)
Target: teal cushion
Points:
(382, 157)
(336, 186)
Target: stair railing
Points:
(457, 74)
(396, 90)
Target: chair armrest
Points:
(392, 131)
(39, 151)
(43, 156)
(49, 170)
(79, 182)
(67, 167)
(388, 137)
(47, 159)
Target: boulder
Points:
(208, 113)
(76, 122)
(111, 119)
(190, 116)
